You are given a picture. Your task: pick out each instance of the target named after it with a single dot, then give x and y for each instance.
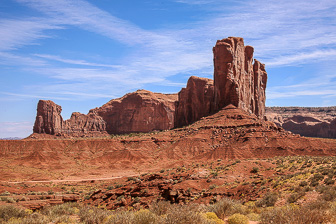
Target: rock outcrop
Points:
(194, 101)
(48, 118)
(306, 121)
(140, 111)
(49, 121)
(237, 81)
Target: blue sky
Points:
(81, 54)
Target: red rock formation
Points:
(236, 80)
(84, 125)
(194, 101)
(49, 121)
(140, 111)
(48, 118)
(306, 121)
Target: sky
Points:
(83, 53)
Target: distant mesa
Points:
(239, 80)
(306, 121)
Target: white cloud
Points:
(302, 58)
(16, 129)
(74, 61)
(17, 33)
(282, 33)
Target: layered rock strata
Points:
(49, 121)
(140, 111)
(306, 121)
(194, 101)
(237, 81)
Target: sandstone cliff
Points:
(140, 111)
(237, 81)
(49, 121)
(48, 118)
(306, 121)
(194, 101)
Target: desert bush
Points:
(311, 213)
(253, 216)
(295, 196)
(268, 200)
(35, 218)
(303, 183)
(226, 207)
(161, 208)
(254, 170)
(275, 215)
(61, 213)
(213, 217)
(7, 199)
(329, 181)
(120, 217)
(144, 216)
(191, 214)
(93, 215)
(327, 193)
(238, 219)
(9, 211)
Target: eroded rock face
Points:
(194, 101)
(48, 118)
(140, 111)
(306, 121)
(49, 121)
(237, 80)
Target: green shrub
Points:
(238, 219)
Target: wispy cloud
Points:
(17, 33)
(15, 129)
(74, 61)
(283, 33)
(302, 58)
